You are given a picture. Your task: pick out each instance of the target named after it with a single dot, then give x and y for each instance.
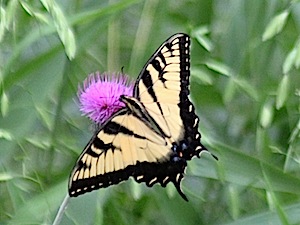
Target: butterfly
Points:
(153, 137)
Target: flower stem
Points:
(61, 210)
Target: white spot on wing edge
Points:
(166, 179)
(196, 121)
(177, 177)
(152, 181)
(139, 177)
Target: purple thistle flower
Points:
(99, 97)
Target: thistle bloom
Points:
(100, 94)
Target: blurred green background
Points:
(245, 84)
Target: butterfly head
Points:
(134, 105)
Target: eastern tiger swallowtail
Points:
(151, 138)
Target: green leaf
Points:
(270, 217)
(33, 12)
(7, 16)
(247, 87)
(295, 132)
(4, 104)
(234, 200)
(289, 61)
(3, 24)
(297, 57)
(219, 67)
(46, 118)
(200, 35)
(230, 90)
(136, 190)
(266, 114)
(62, 27)
(38, 207)
(276, 25)
(6, 135)
(292, 59)
(273, 201)
(39, 142)
(282, 91)
(201, 76)
(243, 169)
(5, 177)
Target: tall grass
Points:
(245, 84)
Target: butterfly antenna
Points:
(122, 69)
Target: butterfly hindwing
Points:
(118, 151)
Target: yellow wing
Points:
(124, 147)
(163, 88)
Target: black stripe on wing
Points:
(116, 128)
(191, 136)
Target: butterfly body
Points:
(153, 137)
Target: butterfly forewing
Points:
(163, 73)
(163, 88)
